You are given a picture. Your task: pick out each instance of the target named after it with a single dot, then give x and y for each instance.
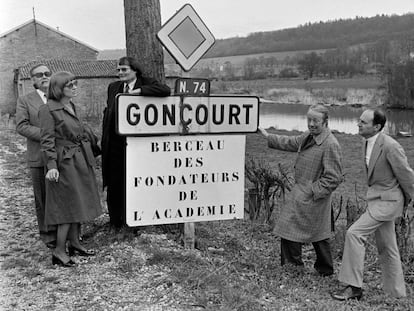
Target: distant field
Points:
(238, 60)
(370, 82)
(359, 90)
(235, 60)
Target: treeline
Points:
(322, 35)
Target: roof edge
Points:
(50, 28)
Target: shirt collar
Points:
(42, 95)
(132, 84)
(372, 139)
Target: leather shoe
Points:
(57, 261)
(347, 293)
(86, 253)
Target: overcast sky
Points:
(100, 23)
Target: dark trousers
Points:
(47, 233)
(115, 198)
(291, 252)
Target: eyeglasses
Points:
(41, 74)
(71, 84)
(122, 69)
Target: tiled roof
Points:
(35, 21)
(80, 68)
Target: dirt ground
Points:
(235, 266)
(117, 278)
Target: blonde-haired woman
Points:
(71, 189)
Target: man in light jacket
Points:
(27, 120)
(306, 216)
(390, 186)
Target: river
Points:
(341, 118)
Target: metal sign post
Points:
(172, 176)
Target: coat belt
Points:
(84, 145)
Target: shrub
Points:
(267, 187)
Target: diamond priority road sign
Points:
(186, 37)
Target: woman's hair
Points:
(131, 62)
(57, 82)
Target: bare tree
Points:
(142, 22)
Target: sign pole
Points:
(189, 227)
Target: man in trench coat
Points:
(306, 216)
(390, 186)
(114, 145)
(27, 125)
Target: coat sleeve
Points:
(47, 137)
(331, 176)
(23, 125)
(286, 143)
(151, 87)
(403, 172)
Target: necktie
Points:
(126, 88)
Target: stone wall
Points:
(31, 42)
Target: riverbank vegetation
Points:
(235, 266)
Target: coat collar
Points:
(376, 151)
(55, 105)
(322, 136)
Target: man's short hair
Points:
(379, 117)
(35, 67)
(131, 62)
(57, 84)
(321, 109)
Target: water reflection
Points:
(341, 118)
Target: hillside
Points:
(316, 36)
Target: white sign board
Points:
(140, 115)
(178, 179)
(186, 37)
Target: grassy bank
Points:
(236, 265)
(358, 91)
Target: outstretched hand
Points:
(263, 131)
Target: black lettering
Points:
(234, 114)
(156, 215)
(216, 120)
(154, 114)
(167, 213)
(170, 113)
(198, 118)
(136, 116)
(199, 162)
(211, 210)
(247, 107)
(154, 147)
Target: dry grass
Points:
(236, 265)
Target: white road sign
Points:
(140, 115)
(176, 179)
(186, 37)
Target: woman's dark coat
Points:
(66, 146)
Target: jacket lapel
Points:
(376, 151)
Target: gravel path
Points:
(117, 278)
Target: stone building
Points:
(93, 78)
(31, 41)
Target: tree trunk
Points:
(142, 22)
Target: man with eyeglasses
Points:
(27, 120)
(114, 145)
(306, 217)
